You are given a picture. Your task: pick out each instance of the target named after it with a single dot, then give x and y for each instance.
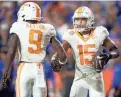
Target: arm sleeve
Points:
(52, 31)
(14, 28)
(104, 34)
(66, 36)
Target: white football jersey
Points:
(33, 39)
(84, 49)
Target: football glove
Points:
(56, 64)
(101, 58)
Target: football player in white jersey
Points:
(32, 37)
(85, 40)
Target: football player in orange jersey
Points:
(31, 37)
(85, 39)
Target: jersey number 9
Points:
(36, 42)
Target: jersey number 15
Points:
(84, 52)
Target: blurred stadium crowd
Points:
(59, 14)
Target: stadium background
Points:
(59, 14)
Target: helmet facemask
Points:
(85, 13)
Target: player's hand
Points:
(55, 63)
(104, 58)
(5, 79)
(101, 60)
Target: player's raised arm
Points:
(113, 50)
(66, 39)
(65, 45)
(57, 47)
(12, 46)
(59, 58)
(110, 50)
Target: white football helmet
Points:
(83, 12)
(29, 11)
